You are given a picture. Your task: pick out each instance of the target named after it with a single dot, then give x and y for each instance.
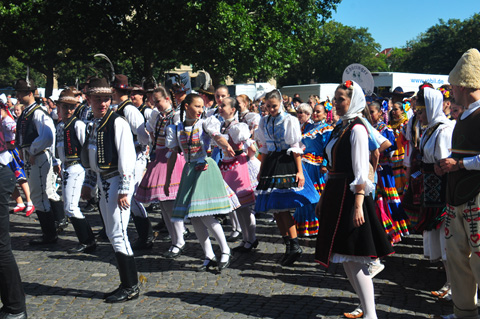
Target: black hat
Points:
(25, 85)
(99, 86)
(121, 82)
(209, 91)
(398, 92)
(137, 89)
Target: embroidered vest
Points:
(26, 130)
(107, 155)
(464, 185)
(71, 144)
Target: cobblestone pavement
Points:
(59, 285)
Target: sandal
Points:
(357, 313)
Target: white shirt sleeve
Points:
(126, 155)
(80, 131)
(171, 140)
(133, 117)
(293, 134)
(212, 126)
(360, 158)
(239, 133)
(260, 137)
(46, 133)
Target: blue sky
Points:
(393, 23)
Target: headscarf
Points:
(357, 103)
(434, 107)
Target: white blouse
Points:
(279, 133)
(438, 146)
(360, 157)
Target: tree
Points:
(438, 49)
(324, 58)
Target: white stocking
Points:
(202, 234)
(248, 223)
(214, 226)
(359, 277)
(235, 223)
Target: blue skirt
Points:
(305, 219)
(16, 165)
(277, 190)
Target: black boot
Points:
(128, 289)
(49, 231)
(61, 221)
(145, 233)
(85, 236)
(286, 241)
(295, 252)
(102, 233)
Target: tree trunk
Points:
(50, 79)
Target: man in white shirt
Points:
(462, 226)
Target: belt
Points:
(71, 163)
(238, 152)
(109, 174)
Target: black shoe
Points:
(295, 253)
(7, 315)
(186, 233)
(111, 293)
(61, 225)
(145, 233)
(234, 237)
(240, 248)
(43, 241)
(159, 226)
(89, 208)
(210, 264)
(82, 248)
(224, 264)
(102, 235)
(123, 294)
(286, 240)
(253, 245)
(171, 255)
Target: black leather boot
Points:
(49, 231)
(61, 221)
(145, 233)
(286, 241)
(85, 236)
(129, 289)
(295, 252)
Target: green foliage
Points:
(438, 49)
(324, 57)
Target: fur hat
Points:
(467, 71)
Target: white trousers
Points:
(137, 208)
(41, 181)
(73, 178)
(115, 219)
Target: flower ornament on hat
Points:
(466, 72)
(357, 102)
(121, 82)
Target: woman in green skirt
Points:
(202, 192)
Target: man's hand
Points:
(123, 203)
(449, 165)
